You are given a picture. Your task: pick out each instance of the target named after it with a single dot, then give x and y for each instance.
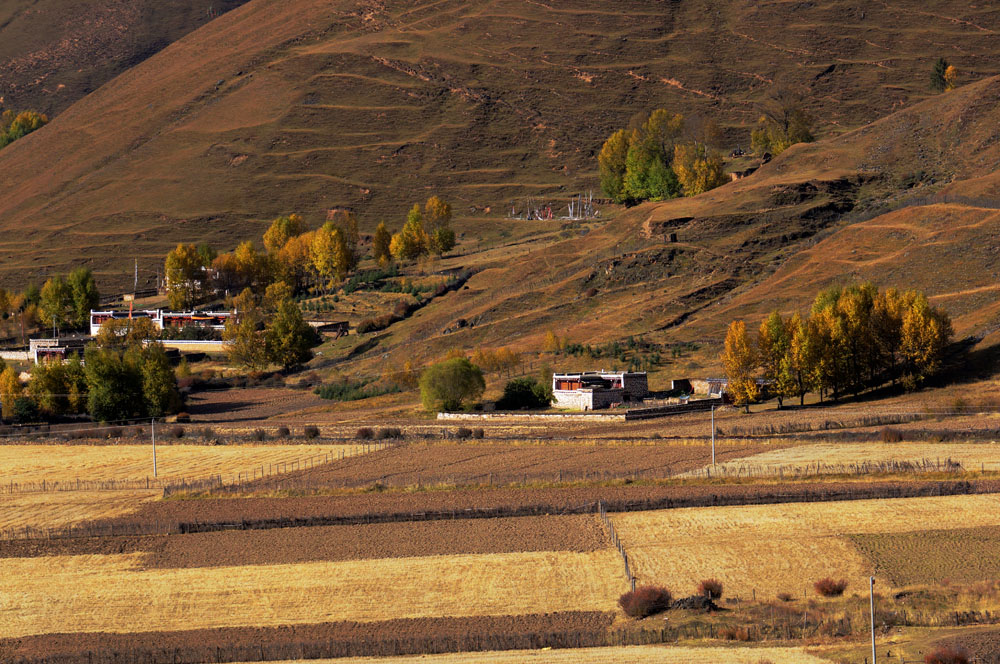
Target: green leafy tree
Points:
(289, 337)
(49, 387)
(380, 245)
(114, 384)
(524, 394)
(442, 241)
(451, 384)
(783, 122)
(123, 333)
(244, 334)
(84, 295)
(18, 125)
(159, 384)
(612, 162)
(56, 298)
(938, 81)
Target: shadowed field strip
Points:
(67, 463)
(55, 509)
(101, 593)
(770, 549)
(630, 654)
(929, 556)
(831, 456)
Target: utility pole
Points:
(871, 596)
(152, 428)
(713, 434)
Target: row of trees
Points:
(659, 158)
(125, 374)
(853, 339)
(69, 301)
(301, 257)
(17, 125)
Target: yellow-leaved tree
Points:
(740, 362)
(696, 169)
(925, 335)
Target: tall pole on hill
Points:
(871, 596)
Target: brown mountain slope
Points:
(309, 104)
(810, 219)
(53, 52)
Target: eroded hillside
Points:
(307, 105)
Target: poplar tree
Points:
(740, 362)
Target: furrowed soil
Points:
(91, 593)
(579, 533)
(262, 512)
(492, 463)
(962, 555)
(983, 645)
(335, 639)
(770, 549)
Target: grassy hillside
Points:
(308, 104)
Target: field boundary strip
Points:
(806, 494)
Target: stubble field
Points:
(771, 549)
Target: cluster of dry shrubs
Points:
(646, 601)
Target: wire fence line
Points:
(616, 541)
(752, 470)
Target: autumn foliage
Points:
(645, 601)
(17, 125)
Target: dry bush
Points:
(463, 432)
(259, 435)
(737, 633)
(283, 432)
(207, 433)
(785, 597)
(310, 432)
(478, 433)
(710, 588)
(176, 432)
(829, 588)
(182, 417)
(890, 435)
(365, 433)
(390, 432)
(645, 601)
(113, 432)
(947, 655)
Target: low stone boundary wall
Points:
(673, 409)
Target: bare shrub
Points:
(365, 433)
(890, 435)
(207, 433)
(947, 655)
(960, 406)
(390, 432)
(829, 588)
(736, 633)
(478, 433)
(310, 432)
(463, 432)
(283, 432)
(645, 601)
(176, 432)
(258, 435)
(710, 588)
(785, 597)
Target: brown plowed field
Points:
(419, 505)
(336, 639)
(983, 645)
(499, 464)
(297, 545)
(926, 557)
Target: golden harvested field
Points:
(838, 457)
(630, 654)
(55, 509)
(101, 593)
(67, 463)
(780, 548)
(963, 555)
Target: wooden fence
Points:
(610, 527)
